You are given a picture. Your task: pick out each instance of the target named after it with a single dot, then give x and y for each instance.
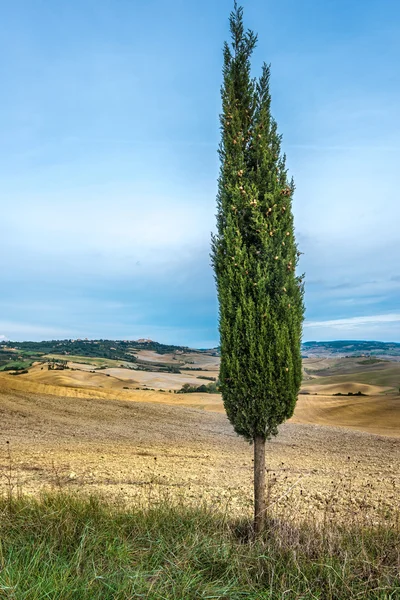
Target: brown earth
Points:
(144, 445)
(378, 412)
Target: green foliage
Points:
(57, 364)
(67, 547)
(350, 394)
(254, 252)
(111, 349)
(371, 361)
(210, 388)
(172, 369)
(14, 365)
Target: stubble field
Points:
(146, 444)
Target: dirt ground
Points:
(150, 450)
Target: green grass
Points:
(30, 353)
(16, 364)
(65, 547)
(371, 361)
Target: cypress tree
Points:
(254, 255)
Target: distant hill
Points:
(351, 348)
(126, 349)
(123, 350)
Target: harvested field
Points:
(347, 387)
(81, 375)
(79, 378)
(81, 361)
(373, 414)
(197, 360)
(156, 380)
(385, 374)
(139, 449)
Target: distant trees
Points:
(254, 255)
(172, 369)
(350, 394)
(210, 388)
(57, 364)
(112, 349)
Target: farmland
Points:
(95, 423)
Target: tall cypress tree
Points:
(254, 255)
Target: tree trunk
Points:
(259, 484)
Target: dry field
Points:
(192, 359)
(146, 444)
(82, 376)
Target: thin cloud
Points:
(355, 322)
(16, 329)
(110, 193)
(322, 148)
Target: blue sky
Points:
(108, 163)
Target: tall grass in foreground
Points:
(63, 547)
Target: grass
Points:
(16, 364)
(32, 353)
(61, 546)
(371, 361)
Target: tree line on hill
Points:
(110, 349)
(208, 388)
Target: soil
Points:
(147, 450)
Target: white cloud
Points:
(377, 327)
(15, 330)
(355, 322)
(92, 202)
